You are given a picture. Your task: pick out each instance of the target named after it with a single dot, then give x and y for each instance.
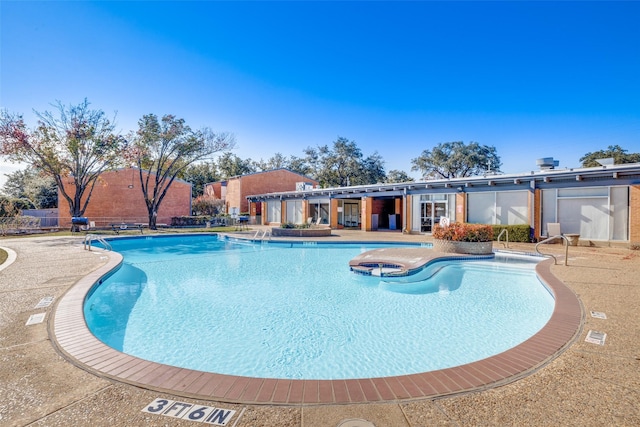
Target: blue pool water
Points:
(296, 311)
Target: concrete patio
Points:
(588, 384)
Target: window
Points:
(506, 208)
(273, 211)
(294, 211)
(598, 213)
(319, 209)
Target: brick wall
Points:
(274, 181)
(233, 199)
(113, 201)
(213, 189)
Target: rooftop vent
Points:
(304, 186)
(547, 163)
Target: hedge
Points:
(187, 221)
(517, 233)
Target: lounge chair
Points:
(553, 229)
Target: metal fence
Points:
(48, 217)
(19, 224)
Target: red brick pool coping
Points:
(78, 345)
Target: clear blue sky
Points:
(533, 79)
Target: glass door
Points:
(439, 210)
(430, 214)
(426, 217)
(352, 218)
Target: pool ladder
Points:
(91, 237)
(566, 248)
(504, 231)
(262, 234)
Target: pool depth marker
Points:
(189, 411)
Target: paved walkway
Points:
(588, 384)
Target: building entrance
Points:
(430, 213)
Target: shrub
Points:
(463, 232)
(292, 225)
(207, 205)
(10, 206)
(517, 233)
(189, 221)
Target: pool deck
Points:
(52, 373)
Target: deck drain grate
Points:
(44, 302)
(35, 319)
(595, 337)
(598, 315)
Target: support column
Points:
(333, 207)
(305, 211)
(461, 207)
(408, 211)
(366, 207)
(283, 211)
(634, 215)
(536, 221)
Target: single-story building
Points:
(234, 191)
(599, 203)
(117, 198)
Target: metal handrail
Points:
(264, 234)
(504, 231)
(566, 248)
(90, 237)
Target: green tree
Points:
(299, 165)
(343, 164)
(277, 161)
(34, 185)
(231, 165)
(78, 143)
(164, 148)
(395, 176)
(199, 174)
(208, 205)
(456, 160)
(373, 169)
(12, 206)
(619, 155)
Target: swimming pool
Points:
(295, 310)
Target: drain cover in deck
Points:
(44, 302)
(595, 337)
(355, 422)
(35, 319)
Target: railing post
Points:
(565, 241)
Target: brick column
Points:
(537, 212)
(283, 212)
(461, 207)
(407, 214)
(365, 211)
(634, 215)
(333, 207)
